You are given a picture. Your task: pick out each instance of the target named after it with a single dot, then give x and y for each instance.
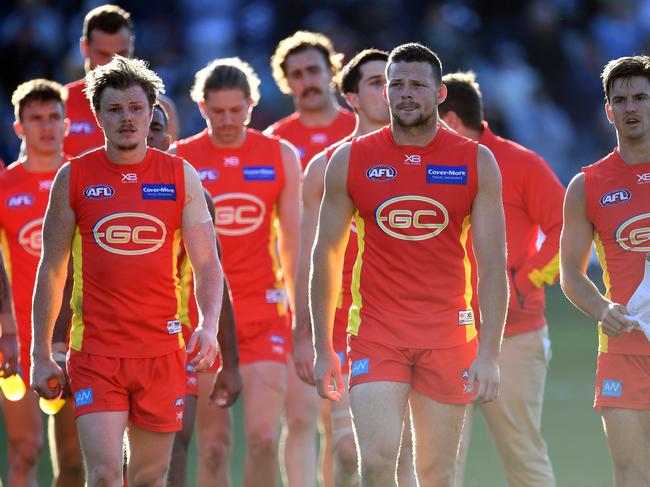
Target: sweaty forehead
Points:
(410, 70)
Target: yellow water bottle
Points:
(13, 386)
(52, 406)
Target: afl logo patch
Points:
(381, 173)
(20, 200)
(99, 192)
(615, 197)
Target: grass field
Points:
(571, 427)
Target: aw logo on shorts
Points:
(381, 173)
(360, 367)
(130, 233)
(238, 213)
(412, 217)
(30, 237)
(611, 388)
(634, 234)
(83, 397)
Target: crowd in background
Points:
(538, 61)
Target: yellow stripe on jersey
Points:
(354, 315)
(186, 279)
(4, 246)
(547, 274)
(76, 302)
(275, 261)
(470, 330)
(176, 247)
(603, 340)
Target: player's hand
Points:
(303, 355)
(327, 376)
(205, 341)
(615, 320)
(47, 378)
(227, 386)
(8, 354)
(484, 376)
(59, 356)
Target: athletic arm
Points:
(58, 229)
(8, 337)
(312, 194)
(289, 218)
(327, 265)
(575, 248)
(200, 244)
(488, 232)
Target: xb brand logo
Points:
(238, 213)
(643, 178)
(411, 217)
(129, 177)
(412, 159)
(130, 233)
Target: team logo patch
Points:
(360, 367)
(159, 192)
(130, 233)
(275, 295)
(616, 197)
(464, 374)
(179, 402)
(643, 178)
(99, 192)
(277, 339)
(238, 213)
(173, 327)
(207, 174)
(611, 388)
(20, 200)
(45, 185)
(634, 234)
(381, 173)
(259, 173)
(411, 217)
(446, 174)
(320, 138)
(30, 237)
(465, 317)
(412, 159)
(83, 397)
(129, 177)
(82, 127)
(231, 161)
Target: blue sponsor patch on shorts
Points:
(159, 192)
(341, 357)
(83, 397)
(259, 173)
(360, 367)
(446, 174)
(611, 388)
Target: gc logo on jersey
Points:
(238, 213)
(616, 197)
(381, 173)
(412, 217)
(634, 234)
(130, 233)
(30, 237)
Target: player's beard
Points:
(127, 147)
(422, 120)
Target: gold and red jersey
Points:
(84, 133)
(245, 184)
(411, 283)
(532, 201)
(126, 295)
(618, 206)
(309, 141)
(23, 199)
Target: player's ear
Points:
(66, 126)
(442, 93)
(352, 99)
(83, 46)
(18, 129)
(608, 112)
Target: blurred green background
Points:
(571, 426)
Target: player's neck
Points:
(321, 117)
(634, 151)
(126, 157)
(234, 144)
(419, 136)
(35, 162)
(365, 126)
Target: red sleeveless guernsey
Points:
(411, 284)
(23, 200)
(245, 184)
(84, 133)
(618, 206)
(126, 297)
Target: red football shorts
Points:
(152, 389)
(261, 341)
(622, 381)
(439, 374)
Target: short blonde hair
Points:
(224, 74)
(298, 42)
(37, 90)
